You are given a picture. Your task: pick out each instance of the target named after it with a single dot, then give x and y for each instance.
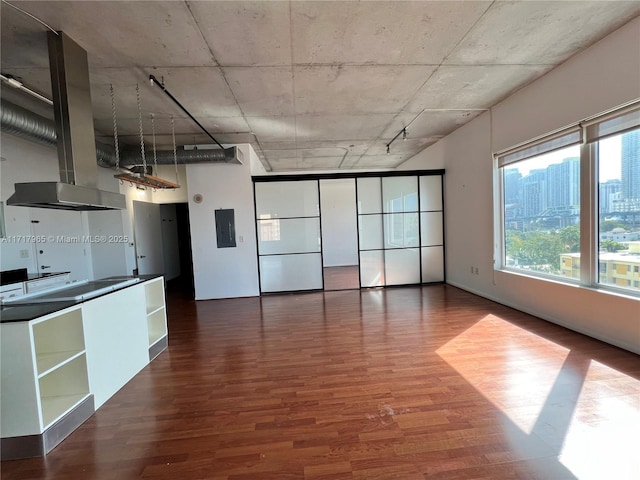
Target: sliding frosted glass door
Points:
(431, 229)
(400, 230)
(289, 243)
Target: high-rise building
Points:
(563, 183)
(630, 168)
(512, 186)
(609, 192)
(534, 192)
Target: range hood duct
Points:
(75, 138)
(23, 123)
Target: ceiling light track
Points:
(155, 81)
(402, 132)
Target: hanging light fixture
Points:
(143, 179)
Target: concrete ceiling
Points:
(312, 85)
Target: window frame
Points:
(589, 192)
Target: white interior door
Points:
(61, 243)
(289, 243)
(147, 228)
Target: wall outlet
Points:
(471, 269)
(241, 239)
(476, 271)
(24, 253)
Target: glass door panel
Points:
(287, 199)
(369, 195)
(372, 268)
(402, 267)
(288, 235)
(289, 239)
(432, 264)
(400, 194)
(285, 273)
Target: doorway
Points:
(184, 282)
(339, 234)
(147, 230)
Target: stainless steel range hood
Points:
(76, 140)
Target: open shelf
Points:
(54, 408)
(58, 339)
(49, 361)
(154, 293)
(151, 312)
(63, 388)
(157, 326)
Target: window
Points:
(618, 160)
(541, 207)
(570, 203)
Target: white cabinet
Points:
(44, 372)
(156, 316)
(61, 364)
(58, 368)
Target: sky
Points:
(610, 159)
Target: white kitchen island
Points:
(61, 361)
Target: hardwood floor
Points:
(402, 383)
(341, 278)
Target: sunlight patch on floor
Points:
(512, 374)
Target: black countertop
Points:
(23, 312)
(8, 277)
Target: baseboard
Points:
(39, 445)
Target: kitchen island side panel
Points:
(116, 337)
(19, 407)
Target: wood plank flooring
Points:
(341, 278)
(403, 383)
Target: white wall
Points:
(223, 272)
(24, 161)
(29, 162)
(600, 78)
(432, 158)
(178, 195)
(339, 223)
(109, 258)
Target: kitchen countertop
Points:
(23, 312)
(9, 277)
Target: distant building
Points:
(512, 186)
(621, 269)
(609, 193)
(630, 168)
(563, 183)
(534, 192)
(620, 235)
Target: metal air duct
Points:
(23, 123)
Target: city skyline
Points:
(549, 185)
(610, 148)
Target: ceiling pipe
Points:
(23, 123)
